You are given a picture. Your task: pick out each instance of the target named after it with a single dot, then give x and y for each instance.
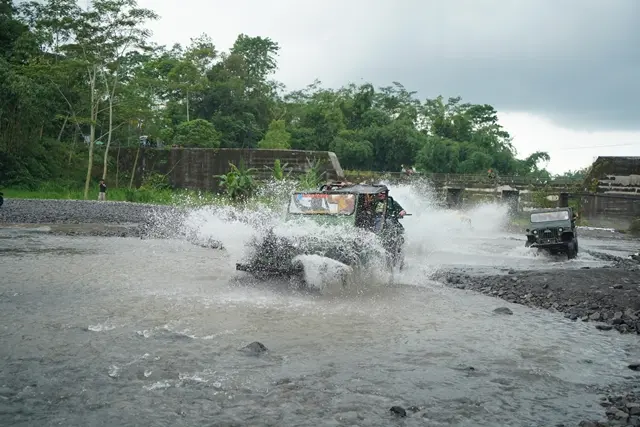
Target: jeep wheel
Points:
(572, 249)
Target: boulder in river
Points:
(255, 348)
(503, 310)
(399, 411)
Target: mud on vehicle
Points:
(553, 230)
(365, 208)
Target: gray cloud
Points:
(575, 62)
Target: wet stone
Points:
(398, 411)
(255, 348)
(616, 414)
(503, 310)
(633, 408)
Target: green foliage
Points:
(196, 133)
(578, 174)
(312, 177)
(155, 181)
(276, 137)
(540, 200)
(278, 171)
(239, 183)
(70, 77)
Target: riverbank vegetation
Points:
(239, 187)
(76, 84)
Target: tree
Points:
(276, 137)
(197, 133)
(104, 34)
(71, 77)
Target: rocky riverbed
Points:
(110, 219)
(609, 297)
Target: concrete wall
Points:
(616, 175)
(196, 168)
(610, 210)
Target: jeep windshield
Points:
(550, 216)
(322, 204)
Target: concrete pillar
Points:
(563, 200)
(454, 197)
(512, 198)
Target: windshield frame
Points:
(542, 217)
(323, 196)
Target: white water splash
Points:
(434, 236)
(101, 327)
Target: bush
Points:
(239, 183)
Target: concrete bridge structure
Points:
(456, 190)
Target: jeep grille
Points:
(548, 234)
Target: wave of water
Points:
(436, 238)
(429, 229)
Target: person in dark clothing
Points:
(391, 207)
(394, 209)
(102, 195)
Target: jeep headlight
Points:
(559, 230)
(535, 231)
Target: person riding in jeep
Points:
(393, 209)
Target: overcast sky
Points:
(564, 74)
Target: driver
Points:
(394, 208)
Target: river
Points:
(126, 331)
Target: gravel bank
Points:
(103, 219)
(610, 297)
(109, 219)
(42, 211)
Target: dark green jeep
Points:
(553, 230)
(368, 208)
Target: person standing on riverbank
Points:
(102, 195)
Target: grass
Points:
(178, 197)
(165, 197)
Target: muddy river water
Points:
(125, 331)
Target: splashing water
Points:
(430, 231)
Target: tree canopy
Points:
(73, 81)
